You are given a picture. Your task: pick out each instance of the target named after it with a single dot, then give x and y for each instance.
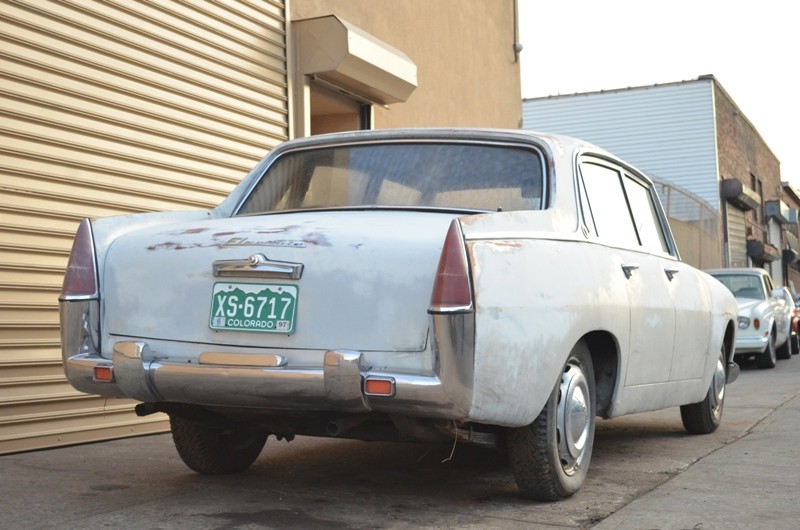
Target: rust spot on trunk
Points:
(507, 244)
(172, 245)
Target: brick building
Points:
(691, 134)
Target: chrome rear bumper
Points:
(268, 381)
(339, 385)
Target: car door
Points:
(684, 284)
(648, 358)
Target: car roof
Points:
(739, 270)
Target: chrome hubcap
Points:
(718, 388)
(573, 418)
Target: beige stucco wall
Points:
(468, 74)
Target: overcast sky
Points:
(750, 47)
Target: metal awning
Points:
(758, 250)
(735, 192)
(336, 52)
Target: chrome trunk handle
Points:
(257, 266)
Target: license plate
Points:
(253, 307)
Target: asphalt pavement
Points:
(646, 474)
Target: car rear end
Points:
(305, 313)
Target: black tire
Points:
(795, 344)
(550, 457)
(215, 451)
(768, 357)
(704, 417)
(785, 351)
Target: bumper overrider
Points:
(344, 381)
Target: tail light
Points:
(80, 280)
(452, 289)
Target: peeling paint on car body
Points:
(532, 284)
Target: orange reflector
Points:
(104, 374)
(379, 387)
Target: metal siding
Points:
(667, 131)
(111, 108)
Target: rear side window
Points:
(435, 175)
(608, 207)
(621, 209)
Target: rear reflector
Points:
(104, 374)
(80, 280)
(452, 289)
(379, 386)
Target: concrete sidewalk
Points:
(751, 483)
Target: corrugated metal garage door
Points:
(108, 108)
(737, 236)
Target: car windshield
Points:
(459, 176)
(743, 286)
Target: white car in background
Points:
(765, 317)
(495, 287)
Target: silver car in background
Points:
(765, 316)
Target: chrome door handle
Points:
(629, 268)
(257, 266)
(671, 273)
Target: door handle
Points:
(629, 268)
(671, 273)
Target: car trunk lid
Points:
(364, 283)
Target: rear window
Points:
(413, 175)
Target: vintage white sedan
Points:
(493, 287)
(765, 317)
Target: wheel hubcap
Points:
(573, 419)
(718, 388)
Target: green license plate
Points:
(253, 307)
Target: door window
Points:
(621, 209)
(607, 205)
(645, 215)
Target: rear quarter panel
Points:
(725, 312)
(535, 298)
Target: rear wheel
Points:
(550, 457)
(214, 450)
(767, 358)
(705, 417)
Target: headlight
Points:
(744, 322)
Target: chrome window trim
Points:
(519, 144)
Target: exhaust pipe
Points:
(341, 425)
